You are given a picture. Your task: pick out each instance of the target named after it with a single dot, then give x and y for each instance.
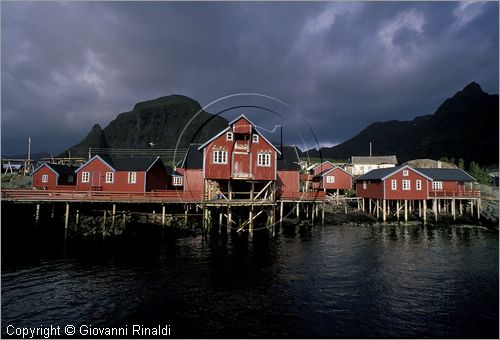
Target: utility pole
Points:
(370, 149)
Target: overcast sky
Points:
(340, 65)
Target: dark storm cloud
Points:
(68, 65)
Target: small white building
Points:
(361, 165)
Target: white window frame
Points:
(177, 181)
(394, 184)
(45, 178)
(405, 173)
(330, 179)
(365, 185)
(85, 177)
(406, 184)
(219, 157)
(437, 185)
(110, 177)
(229, 135)
(132, 177)
(264, 159)
(255, 138)
(418, 185)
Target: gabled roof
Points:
(442, 174)
(193, 158)
(374, 160)
(171, 171)
(382, 174)
(325, 172)
(289, 159)
(59, 169)
(126, 163)
(320, 164)
(229, 126)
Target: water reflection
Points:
(331, 281)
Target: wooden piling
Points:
(37, 214)
(163, 215)
(406, 211)
(323, 214)
(113, 217)
(425, 211)
(66, 217)
(478, 204)
(453, 212)
(297, 210)
(281, 212)
(419, 208)
(384, 211)
(435, 207)
(397, 209)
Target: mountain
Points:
(464, 126)
(34, 156)
(159, 121)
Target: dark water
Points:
(332, 281)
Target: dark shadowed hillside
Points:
(464, 126)
(158, 121)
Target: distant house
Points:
(127, 174)
(406, 183)
(333, 179)
(175, 179)
(447, 182)
(54, 176)
(396, 183)
(318, 169)
(361, 165)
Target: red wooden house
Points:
(191, 169)
(288, 171)
(127, 174)
(50, 176)
(238, 161)
(333, 179)
(398, 183)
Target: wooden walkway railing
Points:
(170, 196)
(455, 194)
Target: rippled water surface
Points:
(332, 281)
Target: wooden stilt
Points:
(250, 218)
(472, 207)
(163, 215)
(297, 210)
(281, 212)
(370, 205)
(460, 208)
(220, 221)
(478, 205)
(113, 217)
(397, 209)
(307, 211)
(77, 218)
(453, 212)
(66, 217)
(419, 208)
(384, 211)
(435, 206)
(378, 209)
(425, 211)
(312, 214)
(363, 204)
(186, 216)
(406, 211)
(345, 207)
(104, 223)
(229, 219)
(322, 214)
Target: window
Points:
(437, 185)
(110, 177)
(419, 184)
(132, 177)
(330, 179)
(45, 178)
(255, 138)
(229, 136)
(177, 181)
(364, 185)
(406, 184)
(220, 157)
(85, 177)
(263, 159)
(394, 184)
(405, 172)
